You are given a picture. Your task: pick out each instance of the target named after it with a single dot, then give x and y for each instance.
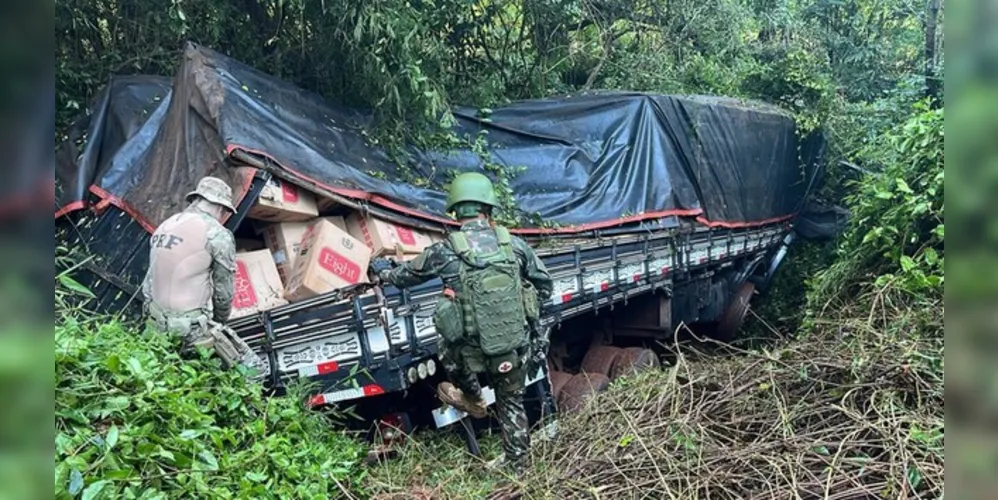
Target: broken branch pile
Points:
(856, 414)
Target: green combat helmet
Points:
(214, 190)
(471, 187)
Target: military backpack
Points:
(491, 306)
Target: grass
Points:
(436, 465)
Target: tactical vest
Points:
(491, 304)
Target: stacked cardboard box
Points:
(281, 201)
(386, 238)
(329, 258)
(284, 238)
(257, 284)
(299, 254)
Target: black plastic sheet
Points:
(599, 158)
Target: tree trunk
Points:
(932, 82)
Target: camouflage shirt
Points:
(192, 263)
(440, 261)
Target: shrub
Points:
(898, 229)
(134, 420)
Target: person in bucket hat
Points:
(214, 190)
(190, 283)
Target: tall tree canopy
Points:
(411, 59)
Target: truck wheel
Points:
(734, 315)
(600, 359)
(634, 360)
(558, 381)
(579, 389)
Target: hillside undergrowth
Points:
(133, 420)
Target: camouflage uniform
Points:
(189, 286)
(464, 362)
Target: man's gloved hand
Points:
(379, 270)
(383, 276)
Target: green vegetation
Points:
(858, 399)
(135, 421)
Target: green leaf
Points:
(116, 403)
(75, 286)
(903, 186)
(112, 437)
(119, 474)
(136, 367)
(208, 458)
(907, 264)
(883, 279)
(113, 363)
(931, 257)
(75, 482)
(95, 489)
(626, 440)
(190, 434)
(914, 477)
(256, 477)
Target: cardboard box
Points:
(383, 237)
(259, 226)
(258, 287)
(329, 258)
(283, 239)
(283, 202)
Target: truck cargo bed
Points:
(323, 338)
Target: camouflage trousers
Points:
(462, 366)
(196, 329)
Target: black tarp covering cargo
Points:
(588, 161)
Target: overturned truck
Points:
(659, 211)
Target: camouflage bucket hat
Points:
(214, 190)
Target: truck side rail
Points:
(327, 338)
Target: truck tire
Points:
(734, 315)
(558, 381)
(634, 360)
(600, 359)
(579, 389)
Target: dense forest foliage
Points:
(867, 73)
(408, 60)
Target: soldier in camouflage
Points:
(464, 355)
(189, 286)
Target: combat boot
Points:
(458, 399)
